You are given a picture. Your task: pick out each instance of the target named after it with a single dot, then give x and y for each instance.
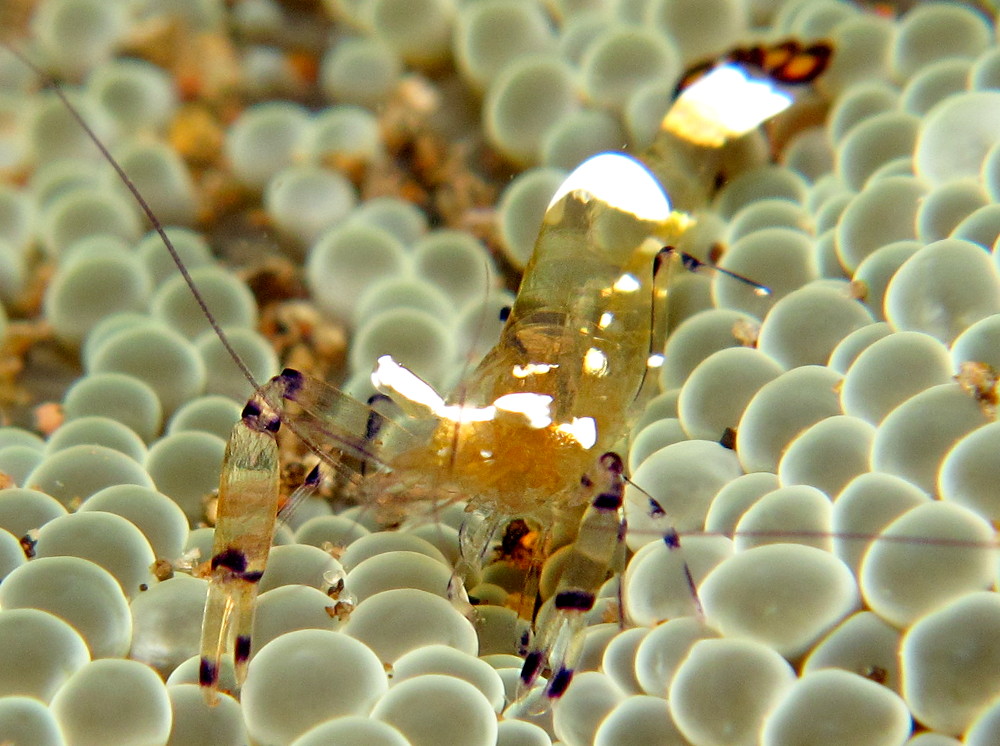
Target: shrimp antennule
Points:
(693, 264)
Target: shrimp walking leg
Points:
(558, 639)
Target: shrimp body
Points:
(561, 384)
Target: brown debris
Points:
(980, 381)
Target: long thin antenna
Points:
(693, 264)
(262, 392)
(146, 209)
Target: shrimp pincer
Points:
(245, 523)
(248, 501)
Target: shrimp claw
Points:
(247, 508)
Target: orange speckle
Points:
(196, 134)
(162, 569)
(48, 417)
(980, 380)
(746, 332)
(304, 65)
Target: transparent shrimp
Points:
(531, 431)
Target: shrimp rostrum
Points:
(531, 431)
